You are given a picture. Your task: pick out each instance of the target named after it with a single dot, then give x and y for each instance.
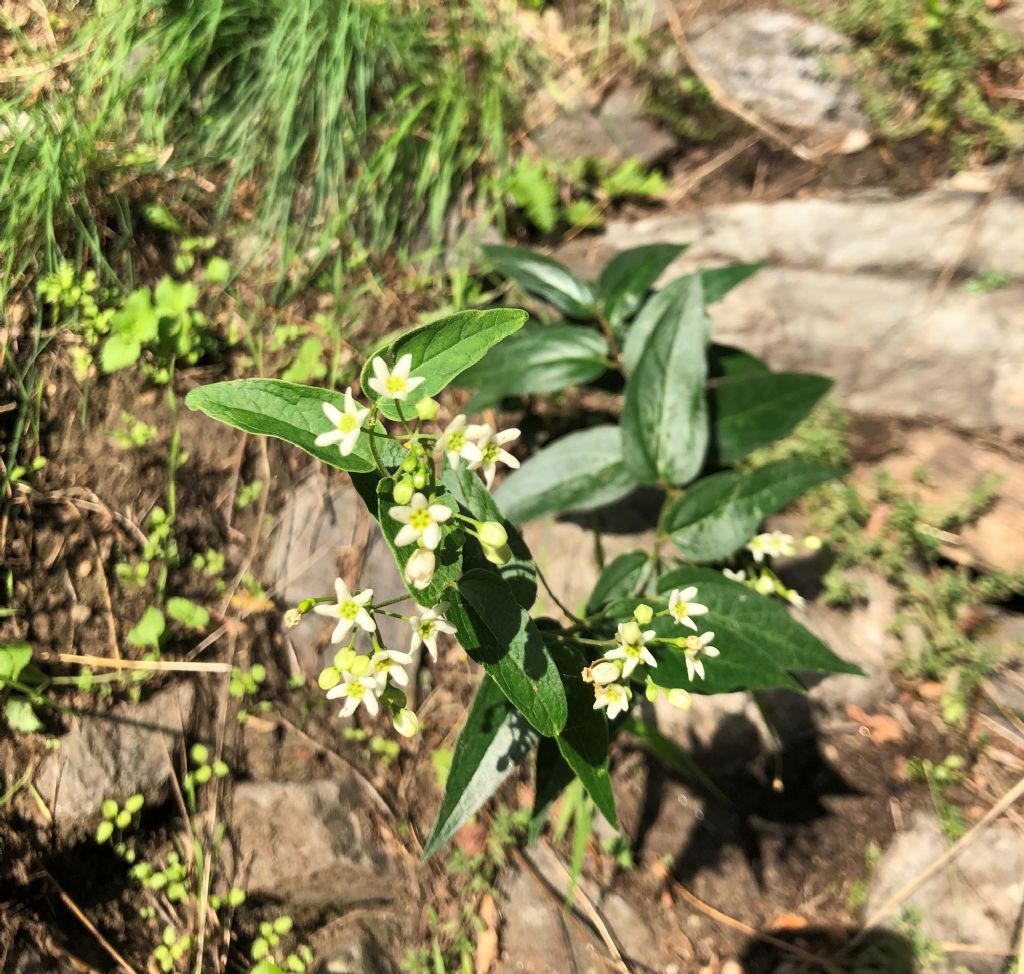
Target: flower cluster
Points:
(631, 649)
(771, 544)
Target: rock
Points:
(322, 533)
(954, 466)
(976, 899)
(357, 955)
(311, 844)
(787, 69)
(851, 292)
(132, 749)
(615, 131)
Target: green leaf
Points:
(583, 741)
(551, 777)
(578, 472)
(545, 278)
(618, 580)
(750, 411)
(448, 556)
(308, 363)
(174, 298)
(726, 362)
(119, 352)
(538, 359)
(493, 741)
(14, 657)
(289, 412)
(497, 632)
(632, 178)
(136, 319)
(664, 417)
(629, 275)
(715, 284)
(720, 513)
(534, 191)
(218, 270)
(187, 613)
(762, 647)
(21, 717)
(520, 573)
(148, 630)
(442, 350)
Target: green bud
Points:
(643, 614)
(134, 804)
(204, 774)
(124, 819)
(109, 808)
(419, 479)
(427, 409)
(105, 831)
(306, 605)
(200, 753)
(652, 691)
(410, 463)
(236, 896)
(403, 491)
(812, 542)
(360, 666)
(283, 925)
(220, 769)
(498, 556)
(492, 534)
(328, 678)
(258, 672)
(260, 948)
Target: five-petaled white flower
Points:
(490, 445)
(681, 608)
(775, 544)
(422, 520)
(426, 626)
(349, 610)
(394, 383)
(695, 648)
(419, 569)
(347, 424)
(356, 690)
(459, 441)
(631, 647)
(614, 698)
(387, 664)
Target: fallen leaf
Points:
(884, 729)
(788, 921)
(487, 939)
(932, 690)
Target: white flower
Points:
(490, 445)
(394, 383)
(455, 442)
(696, 647)
(681, 608)
(347, 425)
(356, 690)
(419, 569)
(602, 672)
(406, 723)
(388, 664)
(613, 698)
(775, 544)
(427, 625)
(349, 610)
(765, 584)
(422, 520)
(737, 576)
(630, 647)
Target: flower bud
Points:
(631, 633)
(407, 723)
(403, 491)
(765, 584)
(427, 409)
(344, 657)
(360, 666)
(419, 569)
(652, 691)
(812, 542)
(643, 614)
(678, 698)
(292, 618)
(419, 479)
(328, 678)
(410, 463)
(498, 556)
(492, 534)
(605, 671)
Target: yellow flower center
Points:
(456, 441)
(347, 423)
(420, 519)
(490, 452)
(395, 384)
(426, 628)
(349, 610)
(693, 644)
(356, 690)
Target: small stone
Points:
(80, 613)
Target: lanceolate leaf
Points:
(584, 739)
(720, 513)
(715, 284)
(520, 574)
(749, 410)
(442, 350)
(493, 741)
(618, 580)
(498, 634)
(726, 362)
(448, 556)
(664, 418)
(545, 278)
(538, 359)
(761, 645)
(290, 412)
(628, 277)
(577, 472)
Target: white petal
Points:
(339, 690)
(407, 535)
(350, 707)
(365, 597)
(419, 501)
(400, 513)
(440, 512)
(506, 436)
(350, 403)
(431, 645)
(328, 438)
(687, 621)
(340, 630)
(489, 471)
(431, 536)
(710, 651)
(327, 609)
(415, 641)
(413, 382)
(380, 370)
(645, 655)
(687, 593)
(378, 386)
(365, 621)
(341, 590)
(403, 366)
(332, 413)
(471, 453)
(506, 458)
(696, 609)
(396, 657)
(706, 637)
(447, 627)
(370, 702)
(348, 443)
(628, 666)
(689, 669)
(455, 425)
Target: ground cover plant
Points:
(657, 623)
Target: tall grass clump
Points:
(327, 126)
